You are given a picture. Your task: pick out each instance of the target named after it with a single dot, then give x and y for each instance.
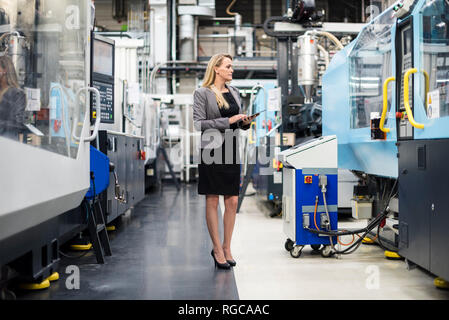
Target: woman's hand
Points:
(237, 118)
(248, 120)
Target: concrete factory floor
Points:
(161, 250)
(363, 275)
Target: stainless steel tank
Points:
(17, 49)
(307, 64)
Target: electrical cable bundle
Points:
(374, 223)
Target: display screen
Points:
(407, 41)
(103, 58)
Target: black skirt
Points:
(221, 178)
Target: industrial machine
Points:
(58, 63)
(309, 199)
(294, 112)
(46, 42)
(384, 97)
(359, 78)
(125, 150)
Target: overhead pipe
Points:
(329, 35)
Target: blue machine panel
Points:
(99, 165)
(305, 204)
(352, 91)
(268, 117)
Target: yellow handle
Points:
(385, 107)
(251, 141)
(426, 75)
(407, 102)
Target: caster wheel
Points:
(326, 252)
(296, 251)
(277, 211)
(316, 247)
(289, 244)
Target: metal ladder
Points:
(97, 228)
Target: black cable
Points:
(92, 177)
(87, 211)
(355, 244)
(370, 226)
(375, 222)
(383, 215)
(395, 250)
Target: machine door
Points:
(433, 96)
(424, 209)
(371, 96)
(44, 130)
(426, 70)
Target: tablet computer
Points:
(253, 116)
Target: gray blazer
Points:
(206, 114)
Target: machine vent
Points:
(421, 157)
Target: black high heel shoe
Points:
(220, 265)
(232, 263)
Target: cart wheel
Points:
(316, 247)
(296, 251)
(289, 244)
(326, 252)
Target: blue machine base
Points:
(307, 188)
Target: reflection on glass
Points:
(12, 101)
(42, 67)
(435, 58)
(369, 67)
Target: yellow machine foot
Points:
(392, 255)
(35, 286)
(110, 228)
(440, 283)
(367, 240)
(81, 247)
(54, 276)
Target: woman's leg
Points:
(231, 203)
(212, 226)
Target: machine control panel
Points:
(405, 52)
(102, 77)
(106, 101)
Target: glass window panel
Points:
(42, 67)
(435, 58)
(369, 67)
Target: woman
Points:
(12, 101)
(217, 106)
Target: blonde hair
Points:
(8, 66)
(209, 78)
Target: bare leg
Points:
(212, 226)
(231, 203)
